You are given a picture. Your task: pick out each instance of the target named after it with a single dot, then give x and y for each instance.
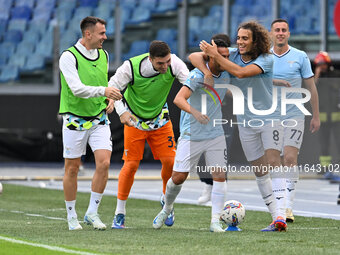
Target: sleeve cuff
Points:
(120, 107)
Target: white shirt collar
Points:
(91, 54)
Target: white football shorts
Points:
(293, 136)
(189, 152)
(256, 140)
(75, 141)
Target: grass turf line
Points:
(189, 235)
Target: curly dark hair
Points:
(261, 38)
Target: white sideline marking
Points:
(48, 247)
(34, 215)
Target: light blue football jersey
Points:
(261, 84)
(292, 66)
(190, 128)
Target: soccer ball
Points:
(233, 213)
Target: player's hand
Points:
(113, 93)
(110, 105)
(208, 79)
(128, 119)
(314, 125)
(201, 118)
(281, 83)
(210, 50)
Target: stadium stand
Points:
(29, 24)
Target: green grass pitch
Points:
(35, 215)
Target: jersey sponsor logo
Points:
(291, 62)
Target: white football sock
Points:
(279, 192)
(265, 187)
(290, 188)
(120, 207)
(71, 209)
(94, 202)
(172, 190)
(217, 200)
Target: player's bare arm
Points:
(182, 103)
(226, 64)
(314, 101)
(281, 83)
(127, 119)
(113, 93)
(110, 105)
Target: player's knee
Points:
(290, 160)
(179, 178)
(167, 162)
(130, 167)
(72, 167)
(104, 164)
(72, 170)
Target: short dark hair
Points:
(279, 20)
(159, 49)
(90, 21)
(220, 43)
(223, 37)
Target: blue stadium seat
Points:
(9, 73)
(17, 60)
(194, 24)
(110, 26)
(3, 61)
(216, 11)
(108, 2)
(167, 34)
(166, 5)
(130, 4)
(37, 26)
(21, 12)
(68, 39)
(88, 3)
(63, 4)
(44, 48)
(42, 13)
(210, 24)
(17, 24)
(5, 14)
(139, 15)
(7, 49)
(5, 5)
(29, 3)
(125, 16)
(46, 4)
(82, 12)
(34, 63)
(173, 46)
(149, 4)
(13, 36)
(31, 36)
(137, 48)
(25, 48)
(3, 26)
(104, 11)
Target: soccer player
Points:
(198, 136)
(84, 107)
(144, 112)
(205, 176)
(251, 68)
(292, 65)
